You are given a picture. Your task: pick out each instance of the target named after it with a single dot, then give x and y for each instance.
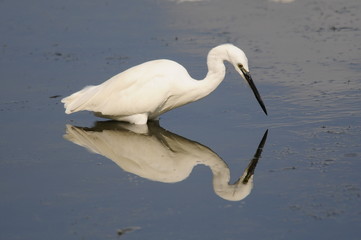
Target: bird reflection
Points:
(154, 153)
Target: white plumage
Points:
(148, 90)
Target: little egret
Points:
(146, 91)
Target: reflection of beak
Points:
(248, 78)
(252, 165)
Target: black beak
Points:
(248, 77)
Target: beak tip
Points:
(261, 104)
(248, 78)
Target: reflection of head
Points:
(156, 154)
(232, 192)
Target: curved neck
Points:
(221, 181)
(216, 68)
(216, 71)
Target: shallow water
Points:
(305, 60)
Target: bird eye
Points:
(240, 66)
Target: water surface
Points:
(305, 60)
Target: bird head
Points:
(240, 62)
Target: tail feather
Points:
(78, 101)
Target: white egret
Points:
(148, 90)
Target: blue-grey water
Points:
(71, 177)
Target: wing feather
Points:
(140, 89)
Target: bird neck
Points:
(216, 68)
(216, 71)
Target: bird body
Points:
(150, 89)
